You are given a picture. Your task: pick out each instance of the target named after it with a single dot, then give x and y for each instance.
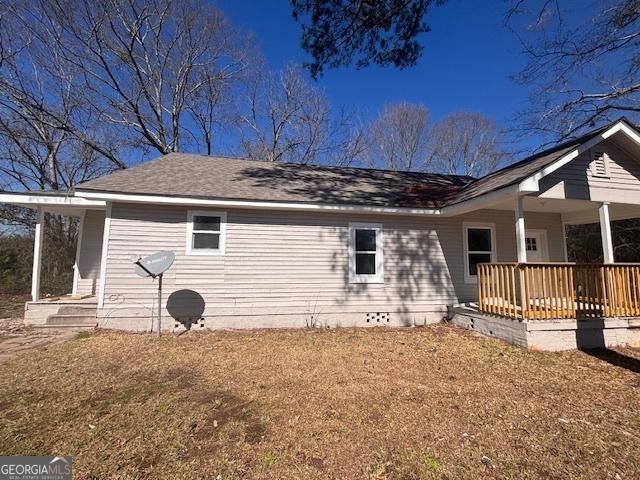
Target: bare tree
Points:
(465, 143)
(398, 137)
(290, 120)
(151, 69)
(584, 66)
(85, 83)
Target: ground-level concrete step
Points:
(71, 319)
(89, 310)
(70, 327)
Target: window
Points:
(479, 247)
(599, 164)
(532, 244)
(365, 253)
(206, 232)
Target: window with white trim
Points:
(479, 247)
(365, 253)
(206, 232)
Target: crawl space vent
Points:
(193, 324)
(378, 317)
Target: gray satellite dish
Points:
(153, 266)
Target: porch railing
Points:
(559, 290)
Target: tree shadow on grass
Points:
(614, 358)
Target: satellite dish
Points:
(154, 264)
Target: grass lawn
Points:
(370, 403)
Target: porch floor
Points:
(66, 299)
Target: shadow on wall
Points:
(186, 307)
(417, 271)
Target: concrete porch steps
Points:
(70, 318)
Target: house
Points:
(270, 245)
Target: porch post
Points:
(76, 265)
(605, 232)
(37, 256)
(521, 243)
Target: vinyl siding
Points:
(576, 180)
(90, 252)
(291, 263)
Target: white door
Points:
(536, 243)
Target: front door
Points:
(536, 242)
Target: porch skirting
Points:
(551, 335)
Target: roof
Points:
(200, 176)
(516, 172)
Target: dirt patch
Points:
(12, 306)
(371, 403)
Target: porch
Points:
(528, 296)
(544, 291)
(78, 308)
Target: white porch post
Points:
(76, 265)
(37, 256)
(521, 243)
(605, 232)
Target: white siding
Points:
(280, 263)
(577, 181)
(90, 252)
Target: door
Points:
(536, 242)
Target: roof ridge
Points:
(312, 166)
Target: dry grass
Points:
(406, 403)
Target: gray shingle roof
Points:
(189, 175)
(199, 176)
(518, 171)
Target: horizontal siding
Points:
(90, 252)
(280, 262)
(575, 180)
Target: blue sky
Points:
(467, 63)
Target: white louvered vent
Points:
(599, 164)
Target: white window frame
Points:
(465, 241)
(223, 232)
(378, 277)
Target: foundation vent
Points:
(377, 317)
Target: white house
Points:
(273, 245)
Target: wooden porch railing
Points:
(559, 290)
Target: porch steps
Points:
(71, 317)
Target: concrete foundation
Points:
(551, 335)
(141, 323)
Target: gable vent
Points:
(599, 164)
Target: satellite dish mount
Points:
(154, 266)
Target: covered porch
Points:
(77, 308)
(532, 287)
(557, 305)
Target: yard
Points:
(430, 402)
